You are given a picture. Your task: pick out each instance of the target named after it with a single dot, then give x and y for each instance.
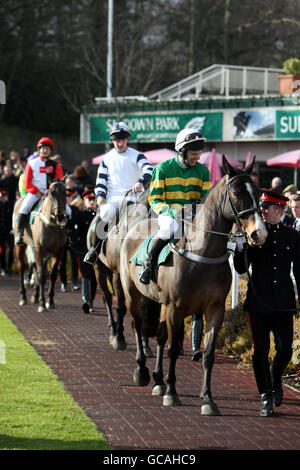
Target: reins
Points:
(202, 259)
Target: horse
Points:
(107, 271)
(47, 235)
(195, 277)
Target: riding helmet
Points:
(189, 139)
(119, 130)
(45, 141)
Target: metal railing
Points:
(224, 80)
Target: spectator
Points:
(295, 207)
(276, 185)
(77, 190)
(2, 161)
(57, 158)
(9, 182)
(81, 175)
(6, 235)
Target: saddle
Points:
(141, 253)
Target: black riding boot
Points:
(92, 255)
(156, 246)
(263, 380)
(21, 227)
(86, 294)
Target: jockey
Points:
(122, 169)
(175, 182)
(39, 174)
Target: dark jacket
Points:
(85, 218)
(6, 210)
(271, 268)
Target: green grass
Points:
(36, 412)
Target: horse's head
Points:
(57, 195)
(242, 202)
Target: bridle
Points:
(237, 215)
(52, 219)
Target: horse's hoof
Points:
(159, 390)
(141, 378)
(23, 302)
(210, 409)
(50, 306)
(119, 345)
(41, 308)
(171, 400)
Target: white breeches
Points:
(108, 211)
(28, 202)
(167, 227)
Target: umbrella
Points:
(291, 159)
(154, 156)
(214, 168)
(206, 156)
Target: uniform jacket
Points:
(271, 268)
(85, 218)
(39, 174)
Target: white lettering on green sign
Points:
(288, 124)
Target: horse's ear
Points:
(65, 177)
(228, 169)
(249, 168)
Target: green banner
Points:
(158, 127)
(288, 124)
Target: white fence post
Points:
(235, 284)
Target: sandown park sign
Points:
(159, 127)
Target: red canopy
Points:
(286, 159)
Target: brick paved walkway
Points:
(75, 346)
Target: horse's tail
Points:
(150, 312)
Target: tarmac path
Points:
(76, 347)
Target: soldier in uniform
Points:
(73, 237)
(88, 281)
(270, 298)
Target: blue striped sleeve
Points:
(145, 167)
(101, 181)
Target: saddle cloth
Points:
(35, 208)
(141, 253)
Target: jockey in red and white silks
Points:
(39, 173)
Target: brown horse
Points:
(47, 235)
(108, 269)
(196, 277)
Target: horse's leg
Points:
(174, 321)
(213, 323)
(159, 388)
(141, 374)
(102, 273)
(118, 341)
(150, 312)
(36, 286)
(20, 256)
(41, 277)
(53, 277)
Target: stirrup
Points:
(91, 257)
(19, 240)
(145, 275)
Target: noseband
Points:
(239, 214)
